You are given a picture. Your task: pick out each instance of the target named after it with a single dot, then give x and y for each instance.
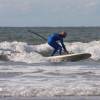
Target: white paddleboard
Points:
(70, 57)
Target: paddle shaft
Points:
(38, 35)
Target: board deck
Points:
(71, 57)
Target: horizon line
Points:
(51, 26)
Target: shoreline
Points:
(53, 98)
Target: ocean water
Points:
(27, 72)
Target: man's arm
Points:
(62, 43)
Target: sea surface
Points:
(26, 72)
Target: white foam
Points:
(21, 51)
(76, 89)
(49, 80)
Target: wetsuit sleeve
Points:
(62, 43)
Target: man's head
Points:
(63, 34)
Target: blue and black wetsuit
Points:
(53, 41)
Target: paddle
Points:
(38, 35)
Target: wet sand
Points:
(53, 98)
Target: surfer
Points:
(53, 40)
